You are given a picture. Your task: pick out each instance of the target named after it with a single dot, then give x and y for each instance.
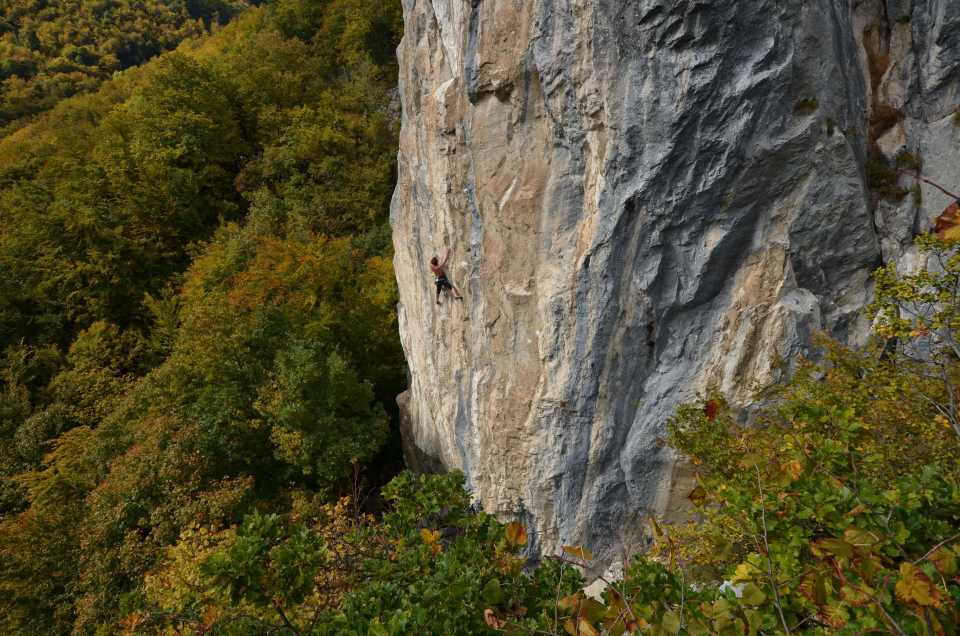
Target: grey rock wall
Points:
(644, 199)
(910, 54)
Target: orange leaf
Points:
(946, 224)
(585, 628)
(578, 552)
(516, 534)
(432, 539)
(794, 469)
(945, 561)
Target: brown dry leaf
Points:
(698, 496)
(210, 616)
(711, 409)
(833, 616)
(490, 618)
(571, 602)
(132, 622)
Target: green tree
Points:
(199, 301)
(431, 565)
(53, 49)
(920, 315)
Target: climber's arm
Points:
(446, 257)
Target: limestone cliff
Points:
(644, 199)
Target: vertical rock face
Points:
(644, 199)
(910, 54)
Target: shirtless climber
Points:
(436, 266)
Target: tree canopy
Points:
(197, 300)
(53, 49)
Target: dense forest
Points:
(200, 360)
(197, 306)
(52, 50)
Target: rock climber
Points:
(443, 283)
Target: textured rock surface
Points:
(644, 199)
(911, 60)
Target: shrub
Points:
(806, 106)
(883, 180)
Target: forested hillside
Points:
(52, 49)
(197, 302)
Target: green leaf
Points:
(860, 538)
(671, 622)
(752, 595)
(493, 592)
(697, 628)
(377, 628)
(836, 547)
(592, 609)
(820, 590)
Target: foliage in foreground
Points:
(431, 565)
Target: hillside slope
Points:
(196, 303)
(51, 50)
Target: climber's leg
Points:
(448, 286)
(443, 284)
